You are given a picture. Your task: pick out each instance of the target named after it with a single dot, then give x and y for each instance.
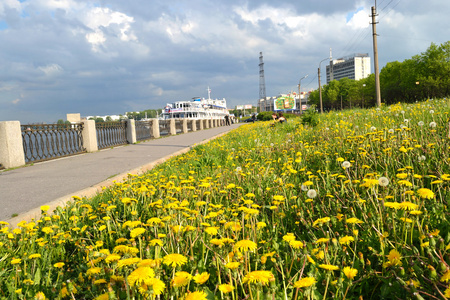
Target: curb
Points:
(96, 189)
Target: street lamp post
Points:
(320, 90)
(299, 93)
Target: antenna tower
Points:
(262, 84)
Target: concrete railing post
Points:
(131, 131)
(155, 129)
(173, 128)
(185, 127)
(11, 146)
(200, 125)
(206, 125)
(89, 134)
(194, 125)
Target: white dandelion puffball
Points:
(346, 164)
(373, 128)
(304, 188)
(433, 124)
(421, 123)
(383, 181)
(311, 194)
(422, 158)
(431, 111)
(238, 169)
(391, 130)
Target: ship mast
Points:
(209, 93)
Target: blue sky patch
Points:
(3, 25)
(351, 14)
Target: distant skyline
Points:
(111, 57)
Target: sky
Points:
(110, 57)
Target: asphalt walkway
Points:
(24, 190)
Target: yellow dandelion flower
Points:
(201, 278)
(278, 198)
(296, 244)
(394, 205)
(232, 265)
(59, 265)
(140, 276)
(16, 261)
(157, 285)
(245, 245)
(349, 272)
(310, 260)
(262, 277)
(93, 270)
(345, 240)
(425, 193)
(212, 230)
(99, 281)
(305, 282)
(260, 225)
(181, 279)
(289, 237)
(45, 207)
(354, 221)
(322, 240)
(226, 288)
(40, 296)
(155, 242)
(321, 221)
(394, 258)
(196, 296)
(329, 267)
(445, 277)
(112, 258)
(404, 183)
(235, 226)
(152, 263)
(137, 232)
(401, 175)
(174, 260)
(128, 262)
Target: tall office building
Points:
(356, 66)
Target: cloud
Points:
(88, 57)
(359, 19)
(16, 101)
(51, 69)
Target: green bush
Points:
(310, 117)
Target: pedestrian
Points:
(227, 120)
(274, 116)
(281, 118)
(253, 118)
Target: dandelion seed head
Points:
(383, 181)
(311, 194)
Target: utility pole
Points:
(300, 94)
(375, 56)
(320, 92)
(262, 83)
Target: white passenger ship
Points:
(198, 108)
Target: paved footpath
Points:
(24, 190)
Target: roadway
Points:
(24, 190)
